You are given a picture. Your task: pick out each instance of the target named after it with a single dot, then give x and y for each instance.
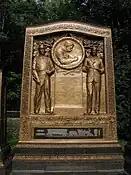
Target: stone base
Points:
(72, 173)
(69, 169)
(71, 159)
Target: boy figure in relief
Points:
(93, 67)
(42, 70)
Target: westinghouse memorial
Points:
(68, 115)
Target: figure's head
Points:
(68, 46)
(41, 49)
(93, 51)
(47, 51)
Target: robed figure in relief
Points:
(42, 70)
(94, 68)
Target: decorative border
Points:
(50, 121)
(110, 83)
(75, 122)
(69, 26)
(108, 120)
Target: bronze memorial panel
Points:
(68, 80)
(68, 96)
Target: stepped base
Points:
(71, 159)
(99, 172)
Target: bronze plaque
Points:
(70, 133)
(68, 84)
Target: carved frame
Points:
(27, 120)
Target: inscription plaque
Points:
(53, 133)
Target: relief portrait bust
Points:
(67, 53)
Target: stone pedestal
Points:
(65, 158)
(91, 154)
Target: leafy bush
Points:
(12, 131)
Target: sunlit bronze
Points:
(67, 81)
(67, 52)
(68, 95)
(42, 70)
(93, 66)
(64, 53)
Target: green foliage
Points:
(12, 131)
(3, 37)
(61, 10)
(21, 14)
(113, 13)
(13, 90)
(123, 143)
(122, 68)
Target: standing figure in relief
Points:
(93, 67)
(42, 70)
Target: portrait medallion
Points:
(68, 53)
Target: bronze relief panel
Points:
(69, 75)
(68, 80)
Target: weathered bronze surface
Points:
(68, 94)
(42, 70)
(93, 66)
(68, 79)
(67, 52)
